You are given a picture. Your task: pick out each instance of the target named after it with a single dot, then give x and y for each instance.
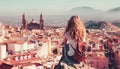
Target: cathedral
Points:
(32, 24)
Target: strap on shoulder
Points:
(72, 47)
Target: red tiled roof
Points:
(20, 58)
(20, 42)
(37, 64)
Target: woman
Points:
(74, 32)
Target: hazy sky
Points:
(51, 5)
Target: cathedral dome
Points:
(33, 21)
(31, 26)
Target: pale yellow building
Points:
(2, 51)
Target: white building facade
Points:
(2, 51)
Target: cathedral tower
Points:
(24, 23)
(41, 23)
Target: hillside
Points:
(116, 23)
(101, 25)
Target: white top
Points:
(71, 42)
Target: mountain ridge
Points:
(87, 8)
(117, 9)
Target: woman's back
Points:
(71, 42)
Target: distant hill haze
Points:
(115, 9)
(89, 13)
(83, 9)
(90, 9)
(60, 19)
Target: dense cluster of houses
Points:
(41, 49)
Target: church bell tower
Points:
(24, 23)
(41, 23)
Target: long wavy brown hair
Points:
(76, 28)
